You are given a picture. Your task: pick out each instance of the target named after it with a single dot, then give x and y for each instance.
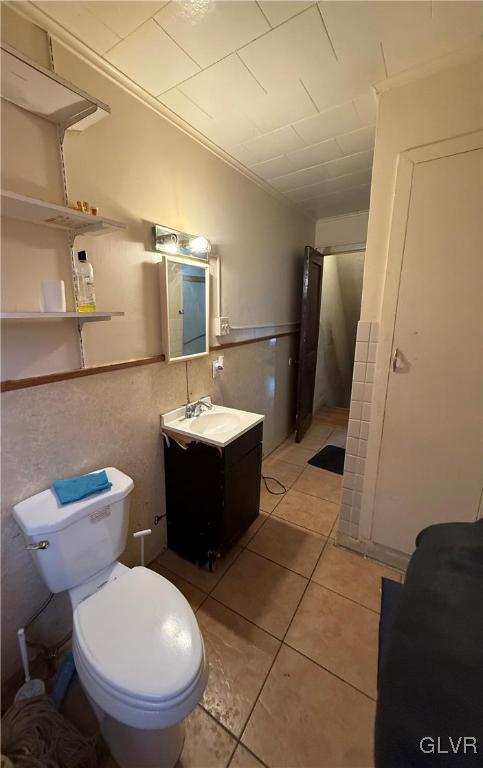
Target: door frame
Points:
(301, 429)
(406, 162)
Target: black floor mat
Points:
(331, 458)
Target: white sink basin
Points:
(219, 426)
(213, 423)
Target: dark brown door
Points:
(309, 339)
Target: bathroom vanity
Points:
(213, 467)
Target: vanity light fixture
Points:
(171, 241)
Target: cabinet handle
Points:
(395, 356)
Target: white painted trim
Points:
(472, 50)
(66, 38)
(394, 261)
(343, 215)
(385, 555)
(164, 288)
(257, 326)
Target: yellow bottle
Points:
(86, 297)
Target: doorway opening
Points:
(331, 305)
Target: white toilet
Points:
(137, 646)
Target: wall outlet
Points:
(217, 366)
(222, 326)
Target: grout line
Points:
(254, 77)
(250, 621)
(330, 671)
(339, 594)
(259, 759)
(222, 725)
(317, 110)
(178, 45)
(282, 642)
(276, 656)
(291, 570)
(304, 527)
(327, 33)
(236, 50)
(193, 102)
(264, 15)
(383, 61)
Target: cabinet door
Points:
(194, 499)
(430, 457)
(242, 494)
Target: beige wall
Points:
(436, 107)
(426, 110)
(79, 425)
(140, 169)
(339, 314)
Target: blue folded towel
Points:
(75, 488)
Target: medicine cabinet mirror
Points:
(185, 308)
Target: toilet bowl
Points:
(137, 646)
(140, 658)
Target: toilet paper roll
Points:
(52, 297)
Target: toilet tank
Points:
(78, 539)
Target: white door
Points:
(430, 457)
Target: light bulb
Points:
(199, 245)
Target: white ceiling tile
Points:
(362, 26)
(278, 11)
(271, 168)
(272, 144)
(231, 130)
(298, 179)
(357, 141)
(349, 164)
(292, 51)
(317, 153)
(328, 186)
(342, 80)
(122, 18)
(328, 124)
(210, 31)
(182, 106)
(222, 87)
(150, 58)
(356, 199)
(366, 107)
(280, 107)
(316, 173)
(451, 26)
(77, 19)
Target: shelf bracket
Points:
(76, 119)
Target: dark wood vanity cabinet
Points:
(212, 494)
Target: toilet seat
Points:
(138, 650)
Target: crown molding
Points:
(344, 215)
(35, 15)
(471, 51)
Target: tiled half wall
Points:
(359, 425)
(112, 419)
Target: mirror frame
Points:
(163, 273)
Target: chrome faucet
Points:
(196, 409)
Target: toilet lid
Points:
(139, 635)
